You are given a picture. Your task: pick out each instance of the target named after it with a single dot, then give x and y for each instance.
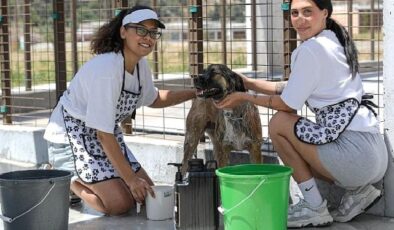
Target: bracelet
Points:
(270, 102)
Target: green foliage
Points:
(87, 12)
(236, 12)
(175, 59)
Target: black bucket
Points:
(35, 199)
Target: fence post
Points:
(289, 38)
(27, 45)
(196, 48)
(224, 32)
(253, 20)
(155, 52)
(60, 47)
(196, 57)
(74, 41)
(5, 106)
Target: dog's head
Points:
(217, 82)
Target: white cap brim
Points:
(142, 15)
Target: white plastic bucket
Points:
(162, 206)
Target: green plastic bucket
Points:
(254, 196)
(35, 199)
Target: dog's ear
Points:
(234, 79)
(238, 82)
(206, 71)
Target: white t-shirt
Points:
(321, 76)
(93, 94)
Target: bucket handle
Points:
(224, 211)
(10, 220)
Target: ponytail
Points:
(347, 43)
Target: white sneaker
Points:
(355, 202)
(302, 215)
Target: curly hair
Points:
(107, 38)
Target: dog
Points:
(235, 129)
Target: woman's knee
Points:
(114, 196)
(118, 206)
(276, 122)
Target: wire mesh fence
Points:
(44, 42)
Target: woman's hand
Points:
(139, 188)
(232, 100)
(245, 80)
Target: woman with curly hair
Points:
(83, 132)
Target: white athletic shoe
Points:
(355, 202)
(302, 215)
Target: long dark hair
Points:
(342, 35)
(107, 38)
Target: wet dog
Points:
(235, 129)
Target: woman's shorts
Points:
(61, 157)
(355, 158)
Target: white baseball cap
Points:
(142, 15)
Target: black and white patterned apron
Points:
(91, 162)
(331, 120)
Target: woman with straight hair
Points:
(344, 145)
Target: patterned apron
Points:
(331, 120)
(91, 162)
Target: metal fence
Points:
(44, 42)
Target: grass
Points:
(368, 35)
(173, 58)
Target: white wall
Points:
(269, 23)
(23, 144)
(388, 66)
(388, 76)
(155, 154)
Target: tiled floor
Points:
(82, 217)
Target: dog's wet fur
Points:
(236, 129)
